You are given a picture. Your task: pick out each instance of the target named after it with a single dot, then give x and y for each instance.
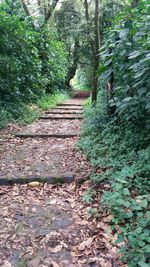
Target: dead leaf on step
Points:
(82, 222)
(82, 261)
(64, 244)
(54, 264)
(34, 210)
(53, 202)
(58, 248)
(52, 234)
(86, 243)
(7, 264)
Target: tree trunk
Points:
(96, 56)
(73, 68)
(134, 3)
(86, 11)
(27, 12)
(50, 10)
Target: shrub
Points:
(116, 133)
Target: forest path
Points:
(45, 225)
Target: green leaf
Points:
(134, 54)
(144, 203)
(143, 264)
(148, 106)
(123, 33)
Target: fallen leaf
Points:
(55, 264)
(50, 235)
(34, 210)
(64, 244)
(86, 243)
(82, 222)
(58, 248)
(53, 202)
(7, 264)
(35, 183)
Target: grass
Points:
(88, 102)
(50, 101)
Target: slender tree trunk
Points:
(96, 56)
(134, 3)
(95, 46)
(73, 68)
(24, 5)
(86, 11)
(50, 10)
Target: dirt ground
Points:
(44, 225)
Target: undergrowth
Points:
(50, 101)
(119, 152)
(116, 134)
(26, 113)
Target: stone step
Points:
(63, 112)
(68, 108)
(71, 104)
(81, 94)
(60, 118)
(36, 135)
(60, 179)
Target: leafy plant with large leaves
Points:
(116, 134)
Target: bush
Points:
(116, 134)
(49, 101)
(20, 68)
(32, 63)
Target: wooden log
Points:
(62, 179)
(35, 135)
(61, 118)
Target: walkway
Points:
(47, 224)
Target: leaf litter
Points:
(39, 224)
(44, 225)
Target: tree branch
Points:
(25, 8)
(50, 10)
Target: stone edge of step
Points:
(61, 179)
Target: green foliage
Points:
(5, 117)
(83, 79)
(32, 62)
(116, 133)
(27, 113)
(20, 66)
(88, 196)
(68, 20)
(50, 101)
(53, 58)
(108, 12)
